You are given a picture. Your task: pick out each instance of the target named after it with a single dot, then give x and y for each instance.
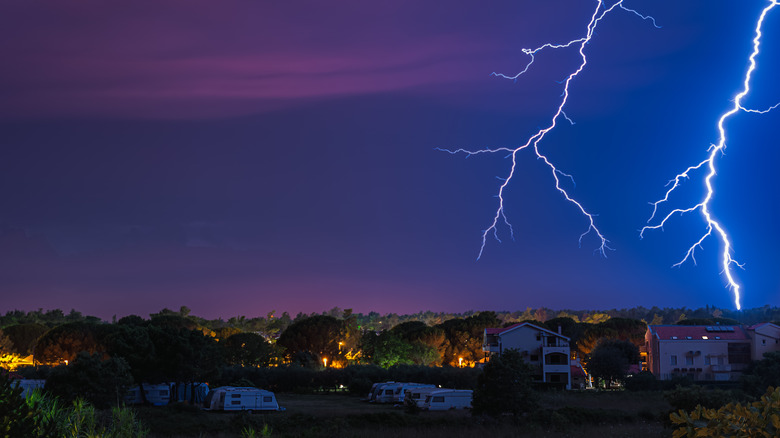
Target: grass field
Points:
(586, 414)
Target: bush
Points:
(688, 398)
(758, 419)
(644, 381)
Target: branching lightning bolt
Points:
(533, 142)
(727, 261)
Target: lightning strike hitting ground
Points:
(533, 142)
(704, 205)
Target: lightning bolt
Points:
(727, 261)
(533, 142)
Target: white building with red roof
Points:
(700, 352)
(544, 349)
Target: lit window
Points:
(704, 337)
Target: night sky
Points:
(240, 157)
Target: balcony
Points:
(564, 350)
(556, 368)
(721, 368)
(491, 348)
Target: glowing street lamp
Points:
(325, 361)
(460, 362)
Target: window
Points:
(267, 399)
(438, 399)
(673, 360)
(235, 402)
(707, 360)
(763, 342)
(235, 395)
(164, 392)
(388, 392)
(720, 360)
(538, 337)
(688, 360)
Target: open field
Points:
(587, 414)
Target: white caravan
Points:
(400, 392)
(418, 395)
(156, 394)
(241, 398)
(446, 399)
(28, 385)
(387, 392)
(378, 389)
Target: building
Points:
(765, 337)
(701, 352)
(544, 349)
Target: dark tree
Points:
(250, 349)
(103, 383)
(505, 386)
(762, 374)
(320, 335)
(611, 358)
(25, 336)
(464, 337)
(64, 342)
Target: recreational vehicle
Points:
(156, 394)
(419, 394)
(400, 391)
(445, 399)
(378, 389)
(241, 398)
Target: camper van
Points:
(400, 391)
(419, 394)
(156, 394)
(445, 399)
(241, 398)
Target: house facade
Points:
(543, 349)
(707, 352)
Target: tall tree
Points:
(505, 386)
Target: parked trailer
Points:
(241, 398)
(377, 389)
(446, 399)
(400, 392)
(419, 394)
(157, 394)
(28, 385)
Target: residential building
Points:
(766, 338)
(699, 352)
(544, 349)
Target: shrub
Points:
(758, 419)
(688, 398)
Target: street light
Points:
(325, 361)
(460, 362)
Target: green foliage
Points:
(762, 374)
(758, 419)
(644, 381)
(17, 417)
(320, 335)
(386, 349)
(688, 397)
(100, 382)
(611, 358)
(505, 386)
(24, 336)
(250, 349)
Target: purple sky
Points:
(242, 157)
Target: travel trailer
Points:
(241, 398)
(378, 389)
(446, 399)
(400, 391)
(156, 394)
(419, 394)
